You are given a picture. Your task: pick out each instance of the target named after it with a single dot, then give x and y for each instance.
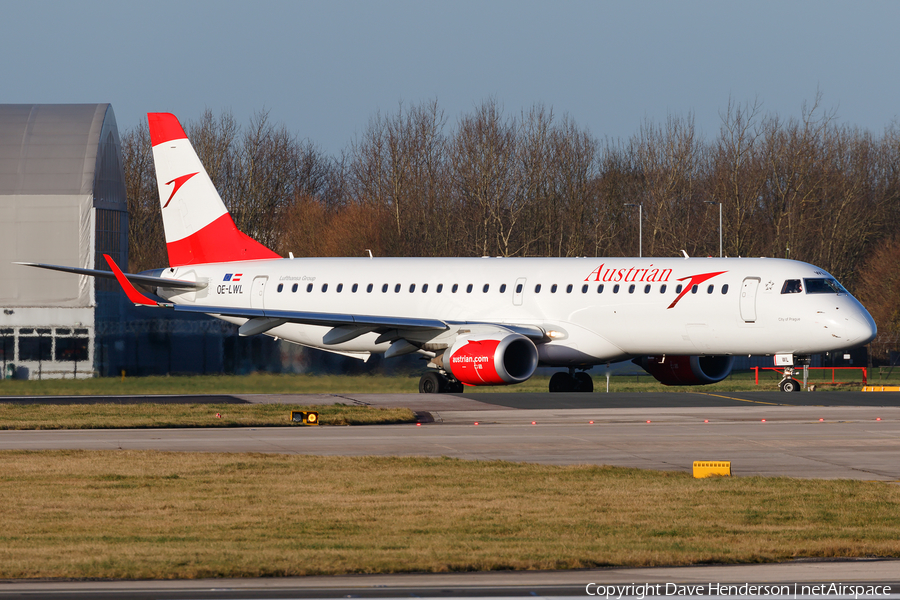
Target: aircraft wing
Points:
(147, 280)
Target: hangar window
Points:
(71, 349)
(35, 347)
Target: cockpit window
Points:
(823, 286)
(792, 286)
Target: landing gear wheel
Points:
(432, 383)
(583, 382)
(562, 382)
(789, 385)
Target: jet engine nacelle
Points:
(492, 359)
(686, 370)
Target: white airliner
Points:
(488, 321)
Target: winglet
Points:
(130, 291)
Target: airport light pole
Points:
(720, 224)
(640, 208)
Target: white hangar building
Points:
(62, 202)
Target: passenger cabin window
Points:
(662, 289)
(369, 288)
(354, 288)
(824, 286)
(340, 287)
(502, 288)
(324, 287)
(693, 289)
(616, 289)
(294, 288)
(569, 289)
(424, 287)
(584, 289)
(309, 287)
(440, 288)
(280, 287)
(384, 289)
(397, 288)
(647, 289)
(412, 288)
(710, 289)
(469, 289)
(454, 288)
(631, 289)
(678, 288)
(485, 289)
(553, 289)
(600, 289)
(725, 289)
(537, 289)
(792, 286)
(519, 288)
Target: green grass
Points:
(118, 416)
(263, 383)
(135, 515)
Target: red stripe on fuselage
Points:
(220, 241)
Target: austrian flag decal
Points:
(232, 277)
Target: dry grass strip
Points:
(131, 416)
(124, 514)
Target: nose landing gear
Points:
(788, 383)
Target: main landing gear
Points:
(435, 382)
(571, 382)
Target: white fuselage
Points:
(632, 315)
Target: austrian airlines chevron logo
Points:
(694, 280)
(178, 181)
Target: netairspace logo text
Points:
(640, 591)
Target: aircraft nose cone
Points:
(861, 328)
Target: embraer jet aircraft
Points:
(488, 321)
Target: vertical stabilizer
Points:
(198, 226)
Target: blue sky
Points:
(324, 69)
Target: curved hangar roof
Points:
(58, 162)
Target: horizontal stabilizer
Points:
(146, 280)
